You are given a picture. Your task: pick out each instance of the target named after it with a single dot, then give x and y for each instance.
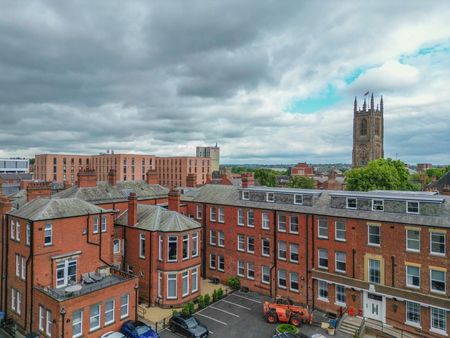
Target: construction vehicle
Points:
(283, 310)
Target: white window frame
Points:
(199, 211)
(212, 237)
(220, 238)
(171, 278)
(415, 240)
(296, 199)
(185, 278)
(336, 253)
(13, 230)
(185, 241)
(240, 242)
(322, 285)
(434, 329)
(142, 245)
(240, 268)
(410, 322)
(115, 249)
(290, 224)
(377, 201)
(337, 301)
(263, 274)
(212, 214)
(125, 305)
(93, 328)
(48, 227)
(160, 281)
(245, 195)
(109, 311)
(285, 278)
(319, 258)
(285, 223)
(265, 221)
(95, 225)
(221, 213)
(321, 227)
(170, 240)
(212, 260)
(248, 244)
(241, 217)
(28, 234)
(23, 270)
(368, 235)
(270, 197)
(220, 258)
(194, 252)
(431, 243)
(65, 268)
(408, 208)
(17, 265)
(265, 246)
(19, 302)
(291, 274)
(336, 231)
(408, 274)
(78, 323)
(104, 223)
(41, 318)
(431, 281)
(379, 271)
(282, 244)
(194, 284)
(18, 231)
(250, 267)
(252, 223)
(351, 207)
(291, 246)
(160, 247)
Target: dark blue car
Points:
(137, 329)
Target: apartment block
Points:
(210, 152)
(173, 171)
(59, 168)
(14, 165)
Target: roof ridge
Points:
(50, 201)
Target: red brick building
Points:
(57, 256)
(302, 169)
(381, 255)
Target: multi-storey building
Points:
(173, 171)
(57, 257)
(210, 152)
(381, 255)
(59, 168)
(14, 165)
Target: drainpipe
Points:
(5, 298)
(150, 275)
(307, 259)
(204, 242)
(63, 315)
(312, 256)
(393, 270)
(275, 254)
(32, 272)
(27, 264)
(353, 262)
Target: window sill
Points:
(282, 287)
(340, 304)
(110, 323)
(240, 275)
(438, 292)
(294, 290)
(250, 278)
(413, 324)
(437, 254)
(293, 232)
(412, 251)
(142, 257)
(220, 270)
(341, 272)
(322, 237)
(442, 333)
(413, 287)
(374, 245)
(341, 240)
(323, 299)
(323, 268)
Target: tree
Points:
(381, 174)
(302, 182)
(266, 177)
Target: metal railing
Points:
(362, 328)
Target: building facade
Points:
(14, 165)
(59, 168)
(302, 169)
(368, 132)
(212, 153)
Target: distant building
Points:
(441, 185)
(173, 171)
(302, 169)
(210, 152)
(368, 133)
(14, 165)
(422, 167)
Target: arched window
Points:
(363, 127)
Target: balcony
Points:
(111, 278)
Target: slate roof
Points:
(156, 218)
(16, 176)
(229, 195)
(106, 193)
(41, 209)
(441, 183)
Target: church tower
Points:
(368, 132)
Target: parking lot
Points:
(238, 315)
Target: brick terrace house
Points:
(384, 255)
(163, 248)
(56, 263)
(302, 169)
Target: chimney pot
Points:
(174, 200)
(152, 177)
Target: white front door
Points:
(373, 306)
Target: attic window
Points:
(245, 195)
(377, 205)
(270, 197)
(298, 199)
(352, 203)
(412, 207)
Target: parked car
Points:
(137, 329)
(188, 326)
(113, 334)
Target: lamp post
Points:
(63, 315)
(136, 287)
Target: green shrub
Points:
(234, 283)
(174, 312)
(207, 299)
(287, 328)
(214, 296)
(201, 302)
(191, 307)
(219, 293)
(185, 310)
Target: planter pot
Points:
(331, 331)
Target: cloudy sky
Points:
(270, 81)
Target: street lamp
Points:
(63, 315)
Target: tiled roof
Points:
(156, 218)
(441, 183)
(16, 176)
(50, 208)
(229, 195)
(104, 192)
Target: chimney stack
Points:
(191, 181)
(248, 180)
(25, 183)
(132, 209)
(87, 178)
(152, 177)
(38, 189)
(112, 177)
(174, 200)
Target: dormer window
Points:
(352, 203)
(245, 195)
(412, 207)
(270, 197)
(298, 199)
(378, 205)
